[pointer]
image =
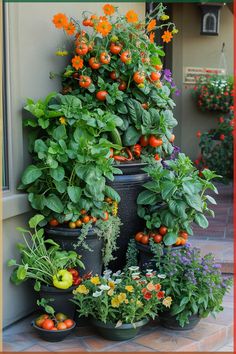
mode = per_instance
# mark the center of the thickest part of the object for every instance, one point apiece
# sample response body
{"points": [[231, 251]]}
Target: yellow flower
{"points": [[115, 302], [150, 286], [61, 53], [62, 120], [82, 290], [111, 284], [110, 292], [114, 208], [175, 31], [167, 301], [95, 280], [164, 17], [121, 297], [126, 301], [129, 288]]}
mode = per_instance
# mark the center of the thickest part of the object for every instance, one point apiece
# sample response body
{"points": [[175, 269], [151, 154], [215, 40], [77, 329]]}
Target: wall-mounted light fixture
{"points": [[210, 21]]}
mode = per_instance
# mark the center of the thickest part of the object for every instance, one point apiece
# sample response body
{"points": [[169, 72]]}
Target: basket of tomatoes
{"points": [[53, 328]]}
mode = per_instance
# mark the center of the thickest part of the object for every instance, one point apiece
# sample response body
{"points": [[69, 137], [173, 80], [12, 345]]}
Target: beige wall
{"points": [[192, 49], [32, 41]]}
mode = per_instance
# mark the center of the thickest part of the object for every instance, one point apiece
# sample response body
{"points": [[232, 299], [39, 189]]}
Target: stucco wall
{"points": [[192, 49], [32, 41]]}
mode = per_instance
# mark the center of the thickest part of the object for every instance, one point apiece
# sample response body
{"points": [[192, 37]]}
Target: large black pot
{"points": [[145, 256], [67, 238], [170, 322], [128, 185], [61, 298]]}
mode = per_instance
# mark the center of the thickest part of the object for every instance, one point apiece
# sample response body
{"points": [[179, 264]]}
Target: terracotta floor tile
{"points": [[98, 343], [36, 348], [130, 347], [214, 341], [66, 345], [202, 330]]}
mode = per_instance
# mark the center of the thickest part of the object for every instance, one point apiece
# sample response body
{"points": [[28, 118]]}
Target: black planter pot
{"points": [[67, 238], [145, 257], [170, 322], [128, 185], [53, 336], [61, 298], [123, 332]]}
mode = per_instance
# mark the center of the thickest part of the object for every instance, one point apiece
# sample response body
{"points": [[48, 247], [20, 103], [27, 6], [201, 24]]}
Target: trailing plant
{"points": [[131, 255], [217, 149], [42, 260], [195, 283], [214, 93], [121, 297], [116, 66], [174, 198]]}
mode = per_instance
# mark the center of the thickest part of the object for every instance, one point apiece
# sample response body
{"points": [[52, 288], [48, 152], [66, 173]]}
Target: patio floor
{"points": [[209, 335]]}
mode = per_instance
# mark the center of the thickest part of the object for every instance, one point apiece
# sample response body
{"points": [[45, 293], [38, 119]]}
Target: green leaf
{"points": [[201, 220], [184, 301], [175, 309], [211, 199], [194, 201], [31, 174], [170, 238], [57, 173], [74, 193], [54, 203], [35, 220], [131, 136], [167, 189], [59, 133], [11, 263], [21, 272], [146, 197], [37, 285], [111, 193]]}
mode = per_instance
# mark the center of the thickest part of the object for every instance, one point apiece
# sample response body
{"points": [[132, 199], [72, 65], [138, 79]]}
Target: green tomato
{"points": [[63, 279]]}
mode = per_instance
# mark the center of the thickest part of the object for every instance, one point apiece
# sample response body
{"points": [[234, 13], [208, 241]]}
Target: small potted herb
{"points": [[196, 285], [121, 303], [174, 198]]}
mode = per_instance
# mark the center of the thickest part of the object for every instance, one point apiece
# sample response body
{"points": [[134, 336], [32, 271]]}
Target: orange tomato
{"points": [[86, 219], [138, 236], [48, 324], [61, 326], [145, 239], [78, 223], [106, 216], [69, 323]]}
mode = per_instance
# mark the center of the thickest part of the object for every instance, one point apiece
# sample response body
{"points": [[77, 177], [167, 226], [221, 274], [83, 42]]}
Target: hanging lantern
{"points": [[210, 21]]}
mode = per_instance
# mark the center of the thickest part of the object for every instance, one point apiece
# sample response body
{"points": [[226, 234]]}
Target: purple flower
{"points": [[167, 75], [216, 266], [177, 92]]}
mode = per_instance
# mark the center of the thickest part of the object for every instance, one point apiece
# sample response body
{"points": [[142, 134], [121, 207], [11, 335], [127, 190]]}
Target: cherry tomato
{"points": [[158, 67], [157, 238], [61, 326], [178, 241], [105, 58], [144, 105], [93, 219], [138, 236], [73, 271], [69, 323], [155, 76], [86, 219], [106, 216], [39, 321], [76, 75], [81, 49], [86, 22], [172, 138], [101, 95], [94, 63], [138, 77], [122, 86], [72, 225], [83, 212], [48, 324], [113, 75], [183, 234], [84, 81], [126, 57], [53, 222], [115, 48], [163, 230], [145, 239], [157, 157], [152, 234], [54, 329], [183, 241], [154, 142], [144, 140], [79, 223], [77, 281]]}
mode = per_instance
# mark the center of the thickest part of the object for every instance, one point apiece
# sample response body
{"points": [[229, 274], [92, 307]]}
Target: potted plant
{"points": [[217, 149], [66, 181], [174, 198], [196, 285], [52, 269], [114, 65], [214, 93], [121, 303]]}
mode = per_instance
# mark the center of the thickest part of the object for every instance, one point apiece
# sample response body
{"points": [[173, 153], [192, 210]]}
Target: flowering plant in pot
{"points": [[196, 286], [115, 65], [217, 148], [66, 181], [120, 303], [214, 93]]}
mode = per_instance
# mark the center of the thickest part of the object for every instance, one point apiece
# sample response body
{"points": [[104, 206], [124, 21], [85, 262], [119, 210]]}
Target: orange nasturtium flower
{"points": [[151, 25], [104, 27], [152, 37], [167, 36], [70, 28], [60, 20], [77, 62], [108, 9], [131, 16]]}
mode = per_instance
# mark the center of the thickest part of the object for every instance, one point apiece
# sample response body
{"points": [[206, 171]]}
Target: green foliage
{"points": [[131, 255], [175, 197]]}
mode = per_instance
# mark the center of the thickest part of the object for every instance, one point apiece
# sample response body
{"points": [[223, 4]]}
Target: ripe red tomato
{"points": [[122, 86], [183, 241], [39, 321], [144, 105], [81, 49], [115, 48], [138, 77], [158, 67], [155, 76], [113, 75], [69, 323], [54, 329], [156, 157], [138, 236], [105, 58], [183, 234], [163, 230], [84, 81], [145, 239], [86, 219], [48, 324], [126, 57], [53, 222], [86, 22], [101, 95], [155, 142], [172, 138], [144, 140], [106, 217], [94, 63], [157, 238], [83, 212], [73, 271], [61, 326]]}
